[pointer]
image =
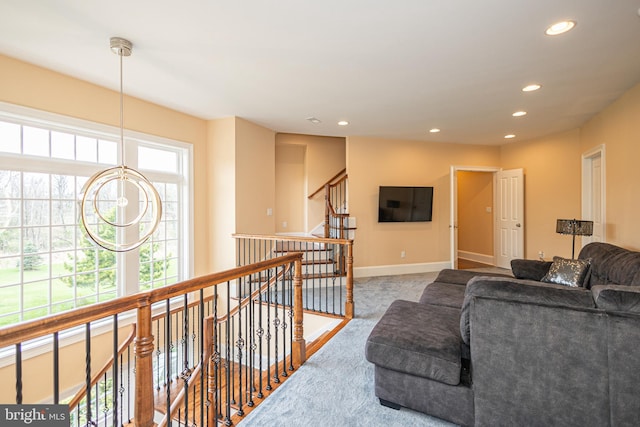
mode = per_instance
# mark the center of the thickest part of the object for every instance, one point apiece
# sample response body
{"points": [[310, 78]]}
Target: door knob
{"points": [[518, 225]]}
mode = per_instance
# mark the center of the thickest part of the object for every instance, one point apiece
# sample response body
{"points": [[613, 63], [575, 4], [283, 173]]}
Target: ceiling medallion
{"points": [[107, 217]]}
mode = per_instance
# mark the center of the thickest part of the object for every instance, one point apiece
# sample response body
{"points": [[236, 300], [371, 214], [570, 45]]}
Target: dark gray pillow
{"points": [[569, 272], [530, 269]]}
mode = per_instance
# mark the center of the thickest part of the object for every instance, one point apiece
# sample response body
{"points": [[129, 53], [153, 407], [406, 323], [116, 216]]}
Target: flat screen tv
{"points": [[405, 204]]}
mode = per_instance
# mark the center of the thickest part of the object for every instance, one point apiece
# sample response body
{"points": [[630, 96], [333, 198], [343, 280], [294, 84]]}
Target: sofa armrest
{"points": [[530, 269], [617, 298]]}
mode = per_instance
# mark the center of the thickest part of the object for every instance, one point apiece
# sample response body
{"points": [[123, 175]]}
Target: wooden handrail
{"points": [[343, 171], [48, 325], [292, 238]]}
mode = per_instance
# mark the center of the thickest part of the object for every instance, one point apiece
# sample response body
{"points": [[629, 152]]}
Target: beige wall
{"points": [[255, 178], [290, 188], [552, 189], [618, 128], [475, 224], [324, 158], [373, 162], [31, 86], [221, 194]]}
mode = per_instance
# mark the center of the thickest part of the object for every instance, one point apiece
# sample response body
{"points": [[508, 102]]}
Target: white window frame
{"points": [[52, 121]]}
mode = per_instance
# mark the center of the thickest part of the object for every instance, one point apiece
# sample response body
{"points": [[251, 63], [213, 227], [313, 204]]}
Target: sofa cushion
{"points": [[418, 339], [523, 291], [570, 272], [529, 269], [439, 293], [617, 298]]}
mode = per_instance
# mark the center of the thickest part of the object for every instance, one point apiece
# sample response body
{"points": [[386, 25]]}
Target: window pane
{"points": [[9, 304], [36, 294], [62, 187], [10, 212], [35, 141], [9, 270], [86, 149], [158, 160], [107, 152], [62, 145], [36, 212], [62, 238], [9, 184], [9, 137], [35, 185], [9, 241]]}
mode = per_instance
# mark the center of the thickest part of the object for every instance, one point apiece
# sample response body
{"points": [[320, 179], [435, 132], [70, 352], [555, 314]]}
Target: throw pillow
{"points": [[529, 269], [569, 272]]}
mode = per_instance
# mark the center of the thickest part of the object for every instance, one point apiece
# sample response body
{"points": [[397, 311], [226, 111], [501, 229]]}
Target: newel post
{"points": [[349, 301], [143, 350], [298, 346]]}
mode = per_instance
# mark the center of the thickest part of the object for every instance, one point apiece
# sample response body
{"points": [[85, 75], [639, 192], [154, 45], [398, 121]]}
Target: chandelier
{"points": [[107, 217]]}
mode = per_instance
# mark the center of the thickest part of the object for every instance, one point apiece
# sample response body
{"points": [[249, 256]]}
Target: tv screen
{"points": [[405, 204]]}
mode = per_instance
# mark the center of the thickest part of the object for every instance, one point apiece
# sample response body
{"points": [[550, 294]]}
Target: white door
{"points": [[510, 217]]}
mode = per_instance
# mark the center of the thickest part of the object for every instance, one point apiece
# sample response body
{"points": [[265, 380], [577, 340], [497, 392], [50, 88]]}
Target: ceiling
{"points": [[392, 69]]}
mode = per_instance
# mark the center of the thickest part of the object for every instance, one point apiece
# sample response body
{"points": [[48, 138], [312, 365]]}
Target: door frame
{"points": [[453, 210], [587, 189]]}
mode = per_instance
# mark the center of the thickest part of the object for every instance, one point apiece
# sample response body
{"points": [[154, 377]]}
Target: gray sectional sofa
{"points": [[498, 350]]}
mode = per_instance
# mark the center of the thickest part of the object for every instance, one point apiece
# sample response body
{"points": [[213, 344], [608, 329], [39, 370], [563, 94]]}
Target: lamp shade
{"points": [[574, 227]]}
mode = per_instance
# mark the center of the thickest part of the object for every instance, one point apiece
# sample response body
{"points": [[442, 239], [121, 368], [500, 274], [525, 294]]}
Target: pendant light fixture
{"points": [[109, 218]]}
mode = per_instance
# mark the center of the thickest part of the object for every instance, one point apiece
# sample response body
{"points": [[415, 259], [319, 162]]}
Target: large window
{"points": [[47, 265]]}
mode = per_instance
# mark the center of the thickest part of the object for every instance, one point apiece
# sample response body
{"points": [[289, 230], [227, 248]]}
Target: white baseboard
{"points": [[472, 256], [393, 270]]}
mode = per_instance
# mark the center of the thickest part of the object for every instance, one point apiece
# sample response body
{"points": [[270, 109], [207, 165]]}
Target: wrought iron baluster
{"points": [[201, 307], [276, 324], [168, 344], [56, 368], [240, 345], [19, 373], [114, 371], [291, 306], [186, 371], [87, 366], [259, 334], [228, 377], [121, 389], [284, 319]]}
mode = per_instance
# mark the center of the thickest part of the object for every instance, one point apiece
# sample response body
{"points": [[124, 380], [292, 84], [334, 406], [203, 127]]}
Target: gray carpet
{"points": [[335, 386]]}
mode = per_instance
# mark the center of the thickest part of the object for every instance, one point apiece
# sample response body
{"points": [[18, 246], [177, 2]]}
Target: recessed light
{"points": [[560, 28], [519, 114], [434, 130], [531, 87], [510, 136], [343, 123], [314, 120]]}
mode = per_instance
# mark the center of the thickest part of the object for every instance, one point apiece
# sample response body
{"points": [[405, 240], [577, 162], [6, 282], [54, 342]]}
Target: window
{"points": [[47, 265]]}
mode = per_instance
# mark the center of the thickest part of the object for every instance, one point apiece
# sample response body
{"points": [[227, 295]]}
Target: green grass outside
{"points": [[36, 295]]}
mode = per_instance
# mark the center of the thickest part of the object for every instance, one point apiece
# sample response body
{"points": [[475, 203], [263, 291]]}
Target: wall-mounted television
{"points": [[405, 204]]}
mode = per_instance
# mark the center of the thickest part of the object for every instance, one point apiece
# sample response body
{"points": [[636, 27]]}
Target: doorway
{"points": [[496, 215]]}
